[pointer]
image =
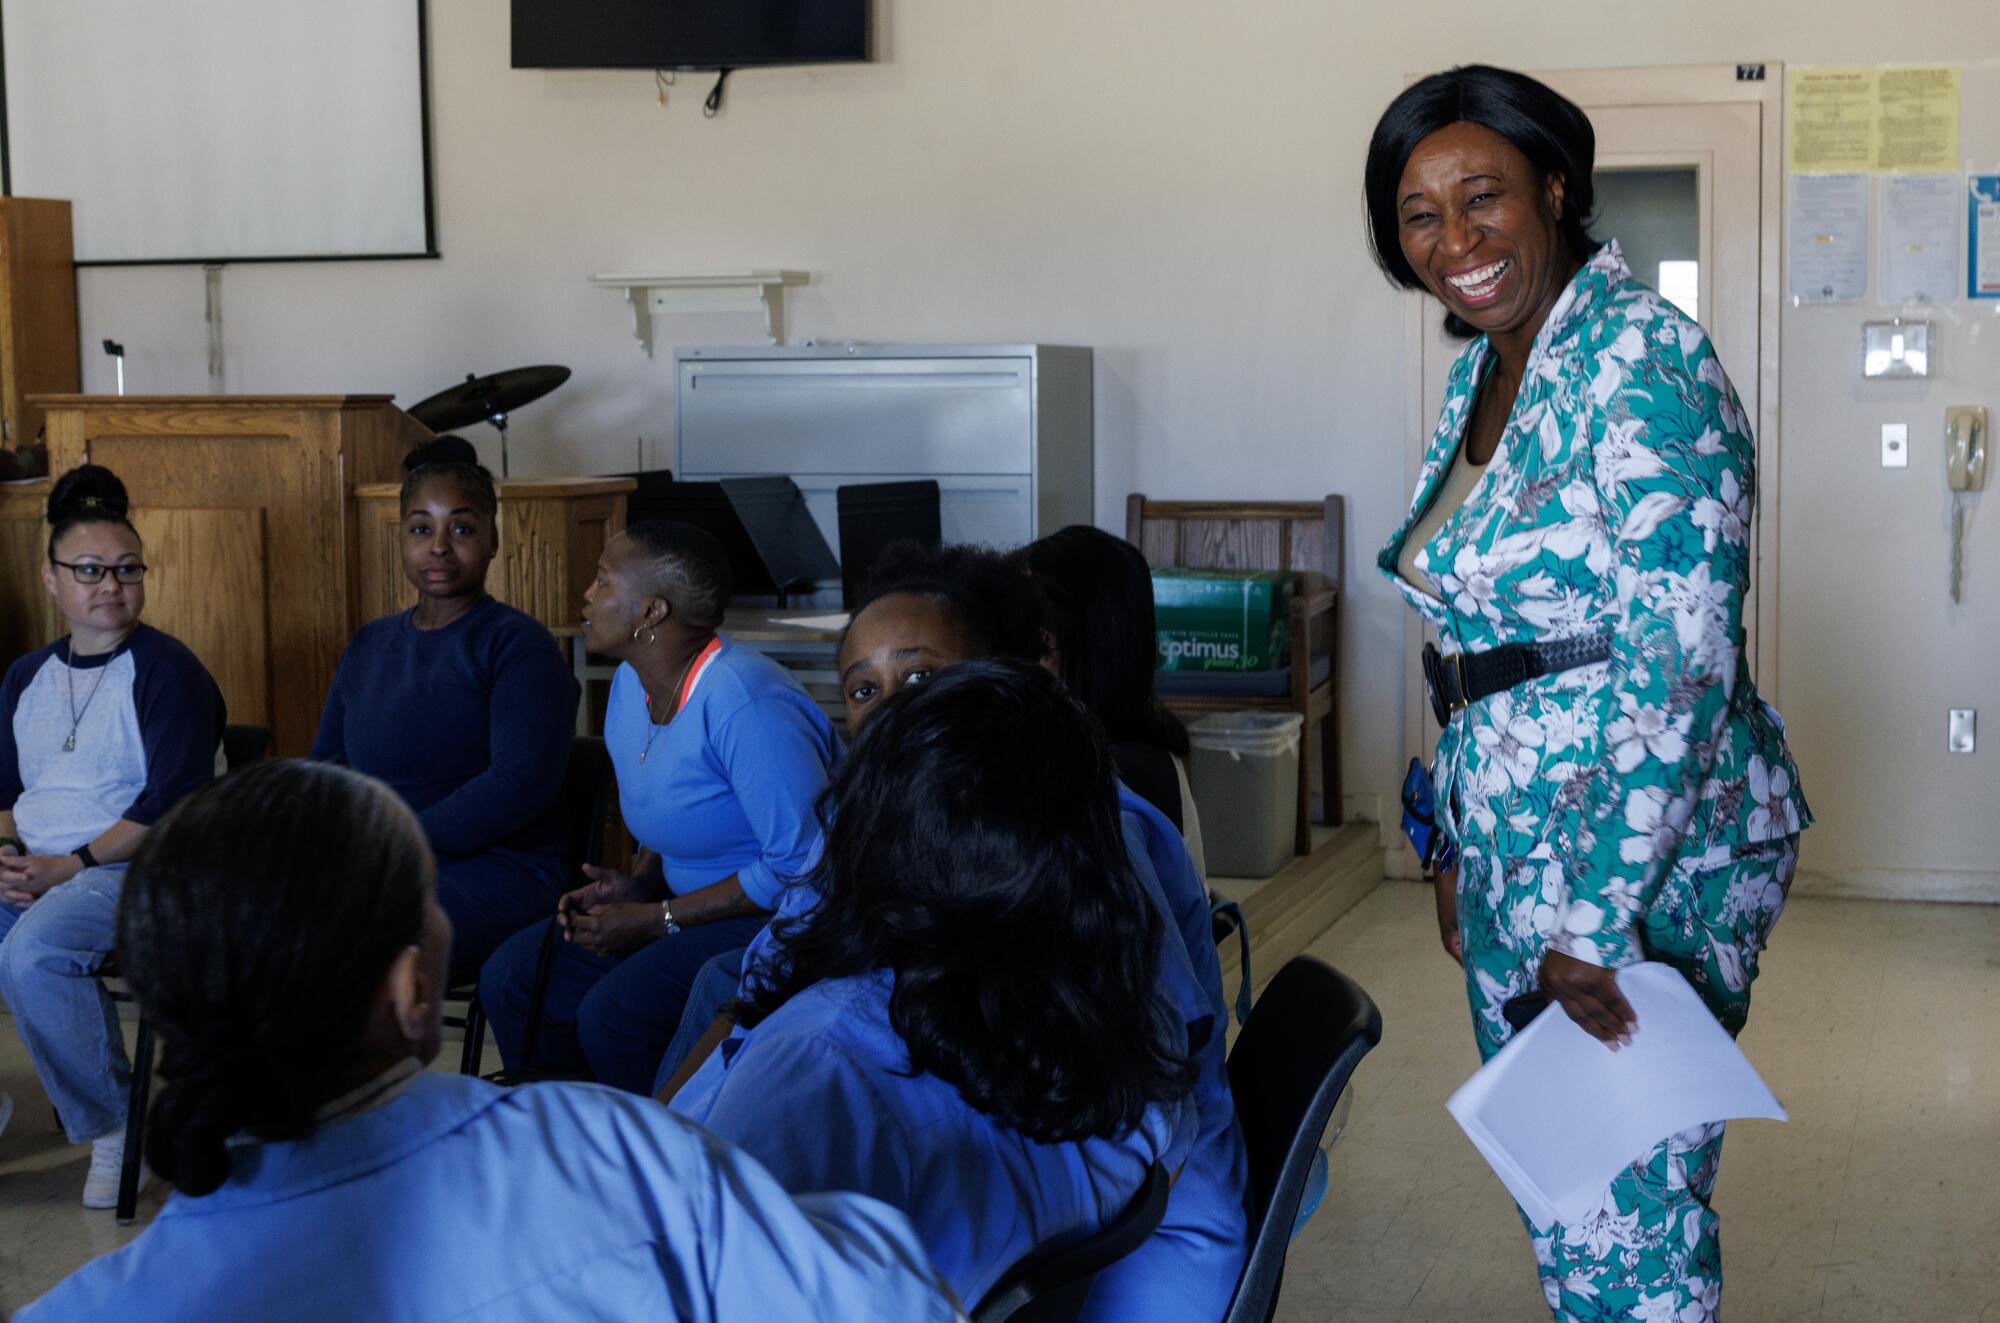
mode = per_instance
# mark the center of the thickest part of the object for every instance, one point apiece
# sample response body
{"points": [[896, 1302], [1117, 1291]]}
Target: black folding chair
{"points": [[1291, 1063], [1049, 1285], [240, 745], [585, 798]]}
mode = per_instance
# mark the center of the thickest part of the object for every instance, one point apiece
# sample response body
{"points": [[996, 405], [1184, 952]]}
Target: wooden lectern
{"points": [[246, 507]]}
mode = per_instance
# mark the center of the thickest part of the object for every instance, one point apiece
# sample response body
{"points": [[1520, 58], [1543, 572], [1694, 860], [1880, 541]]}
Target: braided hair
{"points": [[257, 921]]}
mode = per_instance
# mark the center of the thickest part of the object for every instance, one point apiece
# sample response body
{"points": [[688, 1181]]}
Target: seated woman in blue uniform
{"points": [[100, 733], [1099, 595], [719, 755], [322, 1173], [923, 609], [968, 1026], [465, 706]]}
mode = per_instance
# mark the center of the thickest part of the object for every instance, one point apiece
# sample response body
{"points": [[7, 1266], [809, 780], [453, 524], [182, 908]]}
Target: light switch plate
{"points": [[1895, 445], [1895, 349], [1961, 735]]}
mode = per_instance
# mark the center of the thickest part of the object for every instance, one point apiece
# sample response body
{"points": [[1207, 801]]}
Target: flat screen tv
{"points": [[687, 34]]}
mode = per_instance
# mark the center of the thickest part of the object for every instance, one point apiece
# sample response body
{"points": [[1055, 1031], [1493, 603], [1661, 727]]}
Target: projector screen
{"points": [[222, 130]]}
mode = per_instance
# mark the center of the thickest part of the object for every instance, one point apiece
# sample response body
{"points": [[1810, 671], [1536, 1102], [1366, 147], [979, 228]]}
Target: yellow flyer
{"points": [[1916, 122], [1832, 120]]}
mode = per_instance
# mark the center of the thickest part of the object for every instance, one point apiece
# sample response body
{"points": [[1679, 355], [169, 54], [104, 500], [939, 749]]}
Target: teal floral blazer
{"points": [[1618, 502]]}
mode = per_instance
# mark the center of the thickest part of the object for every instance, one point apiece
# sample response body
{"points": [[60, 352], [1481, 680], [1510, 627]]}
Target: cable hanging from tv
{"points": [[712, 107]]}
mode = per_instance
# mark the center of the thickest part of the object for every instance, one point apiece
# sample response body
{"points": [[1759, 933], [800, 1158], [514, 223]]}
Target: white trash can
{"points": [[1244, 770]]}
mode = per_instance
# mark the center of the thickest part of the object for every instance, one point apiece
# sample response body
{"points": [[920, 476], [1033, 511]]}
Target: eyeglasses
{"points": [[88, 573]]}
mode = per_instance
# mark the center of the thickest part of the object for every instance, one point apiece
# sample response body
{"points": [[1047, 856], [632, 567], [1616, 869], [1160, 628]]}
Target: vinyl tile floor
{"points": [[1877, 1024]]}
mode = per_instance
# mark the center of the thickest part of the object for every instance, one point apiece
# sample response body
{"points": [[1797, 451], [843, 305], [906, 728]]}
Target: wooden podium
{"points": [[246, 506]]}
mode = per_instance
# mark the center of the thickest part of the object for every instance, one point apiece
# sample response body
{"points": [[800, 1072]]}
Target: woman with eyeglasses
{"points": [[101, 732]]}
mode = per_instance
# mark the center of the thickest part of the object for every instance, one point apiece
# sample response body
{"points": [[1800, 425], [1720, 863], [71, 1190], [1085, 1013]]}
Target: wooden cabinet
{"points": [[552, 531], [38, 327], [28, 616], [246, 507]]}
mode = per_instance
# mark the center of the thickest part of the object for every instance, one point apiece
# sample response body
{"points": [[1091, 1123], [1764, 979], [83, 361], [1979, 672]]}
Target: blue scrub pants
{"points": [[50, 953], [613, 1017], [489, 897]]}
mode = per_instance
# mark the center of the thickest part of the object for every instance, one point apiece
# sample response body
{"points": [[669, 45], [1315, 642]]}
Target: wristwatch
{"points": [[667, 913], [82, 852]]}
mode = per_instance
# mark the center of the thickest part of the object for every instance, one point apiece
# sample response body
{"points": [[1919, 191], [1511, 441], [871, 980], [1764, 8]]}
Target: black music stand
{"points": [[875, 515]]}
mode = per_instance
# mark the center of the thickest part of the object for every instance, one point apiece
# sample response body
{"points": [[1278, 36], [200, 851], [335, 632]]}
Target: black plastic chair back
{"points": [[1297, 1051], [242, 745], [584, 799], [1049, 1285]]}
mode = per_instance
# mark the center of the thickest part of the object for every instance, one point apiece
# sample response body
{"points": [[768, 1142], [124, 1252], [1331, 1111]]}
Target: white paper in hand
{"points": [[1558, 1115]]}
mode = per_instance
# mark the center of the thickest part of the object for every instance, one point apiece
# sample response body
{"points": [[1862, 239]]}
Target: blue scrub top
{"points": [[729, 785], [821, 1092], [458, 1199]]}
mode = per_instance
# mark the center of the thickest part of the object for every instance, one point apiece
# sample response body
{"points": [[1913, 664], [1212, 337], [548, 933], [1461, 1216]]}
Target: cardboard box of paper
{"points": [[1222, 620]]}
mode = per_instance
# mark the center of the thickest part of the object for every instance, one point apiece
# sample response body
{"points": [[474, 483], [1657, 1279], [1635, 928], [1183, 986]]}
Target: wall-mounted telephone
{"points": [[1964, 471], [1965, 441]]}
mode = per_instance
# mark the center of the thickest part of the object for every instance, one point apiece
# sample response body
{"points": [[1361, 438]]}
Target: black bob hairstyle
{"points": [[1097, 591], [989, 600], [256, 924], [452, 458], [973, 849], [87, 494], [1540, 122]]}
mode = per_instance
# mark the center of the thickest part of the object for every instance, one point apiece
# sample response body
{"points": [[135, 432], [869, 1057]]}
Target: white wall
{"points": [[1174, 183]]}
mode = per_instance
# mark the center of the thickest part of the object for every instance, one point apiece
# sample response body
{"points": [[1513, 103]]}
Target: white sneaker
{"points": [[107, 1164]]}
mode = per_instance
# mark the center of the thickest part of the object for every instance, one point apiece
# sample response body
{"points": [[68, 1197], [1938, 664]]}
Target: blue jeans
{"points": [[714, 988], [613, 1017], [50, 953]]}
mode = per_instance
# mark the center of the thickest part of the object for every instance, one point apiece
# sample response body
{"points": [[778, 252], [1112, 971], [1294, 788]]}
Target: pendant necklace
{"points": [[75, 713], [655, 727]]}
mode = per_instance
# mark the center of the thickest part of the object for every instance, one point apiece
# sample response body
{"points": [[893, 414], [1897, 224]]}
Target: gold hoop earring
{"points": [[651, 638]]}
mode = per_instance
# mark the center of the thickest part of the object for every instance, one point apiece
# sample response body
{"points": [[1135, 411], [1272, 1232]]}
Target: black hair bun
{"points": [[446, 449], [88, 489]]}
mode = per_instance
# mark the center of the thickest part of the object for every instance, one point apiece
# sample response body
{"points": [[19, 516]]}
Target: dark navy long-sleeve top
{"points": [[470, 724]]}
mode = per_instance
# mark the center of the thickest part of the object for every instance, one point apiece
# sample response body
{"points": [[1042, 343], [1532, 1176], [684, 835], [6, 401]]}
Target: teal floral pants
{"points": [[1652, 1250]]}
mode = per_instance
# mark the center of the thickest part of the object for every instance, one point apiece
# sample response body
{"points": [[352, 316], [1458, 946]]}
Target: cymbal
{"points": [[482, 399]]}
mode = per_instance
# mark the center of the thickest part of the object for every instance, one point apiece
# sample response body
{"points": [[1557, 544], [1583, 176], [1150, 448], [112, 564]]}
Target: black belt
{"points": [[1464, 678]]}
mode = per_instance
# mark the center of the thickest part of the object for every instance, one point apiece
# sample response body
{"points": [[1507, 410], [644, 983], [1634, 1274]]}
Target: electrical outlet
{"points": [[1895, 445], [1960, 734]]}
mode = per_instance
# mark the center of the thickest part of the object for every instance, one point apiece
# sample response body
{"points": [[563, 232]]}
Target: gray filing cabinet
{"points": [[1005, 430]]}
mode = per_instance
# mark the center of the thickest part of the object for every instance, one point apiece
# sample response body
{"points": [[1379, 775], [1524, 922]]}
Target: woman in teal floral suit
{"points": [[1584, 507]]}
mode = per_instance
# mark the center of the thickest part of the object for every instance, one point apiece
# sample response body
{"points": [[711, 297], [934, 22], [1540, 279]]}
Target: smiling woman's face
{"points": [[1479, 227]]}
